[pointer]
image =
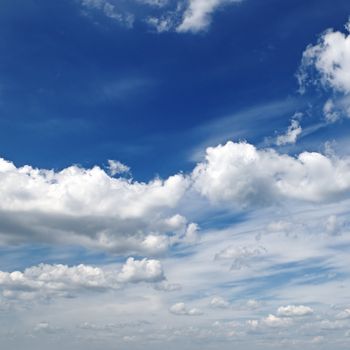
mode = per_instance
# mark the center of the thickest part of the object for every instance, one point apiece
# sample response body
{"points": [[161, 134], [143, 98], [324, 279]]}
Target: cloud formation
{"points": [[242, 175], [293, 310], [189, 16], [90, 208], [327, 64], [44, 281], [330, 59], [182, 309], [198, 14], [290, 137], [134, 271]]}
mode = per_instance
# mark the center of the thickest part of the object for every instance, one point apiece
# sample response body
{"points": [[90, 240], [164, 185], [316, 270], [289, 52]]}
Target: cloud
{"points": [[242, 257], [219, 302], [276, 322], [168, 287], [157, 3], [343, 315], [88, 207], [197, 16], [293, 310], [242, 175], [110, 11], [115, 167], [55, 280], [293, 132], [327, 64], [134, 271], [45, 281], [181, 309], [330, 59], [180, 16], [45, 327]]}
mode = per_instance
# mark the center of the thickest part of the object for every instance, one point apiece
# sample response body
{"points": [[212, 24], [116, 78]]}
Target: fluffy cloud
{"points": [[241, 174], [219, 302], [62, 280], [197, 16], [328, 63], [181, 309], [115, 167], [89, 208], [276, 322], [134, 271], [293, 132], [292, 310], [343, 315], [330, 57]]}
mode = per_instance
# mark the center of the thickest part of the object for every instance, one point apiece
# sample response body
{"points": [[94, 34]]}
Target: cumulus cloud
{"points": [[219, 302], [197, 16], [44, 281], [182, 309], [330, 58], [242, 175], [276, 322], [90, 208], [134, 271], [293, 132], [115, 167], [343, 315], [327, 64], [293, 310]]}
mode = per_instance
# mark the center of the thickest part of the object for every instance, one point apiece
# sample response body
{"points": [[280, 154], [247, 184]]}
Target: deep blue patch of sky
{"points": [[76, 89]]}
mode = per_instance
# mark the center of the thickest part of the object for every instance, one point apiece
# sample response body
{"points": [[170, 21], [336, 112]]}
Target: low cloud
{"points": [[293, 310], [46, 281], [182, 309]]}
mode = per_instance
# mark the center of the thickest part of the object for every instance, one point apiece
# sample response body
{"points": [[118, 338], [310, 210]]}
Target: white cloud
{"points": [[89, 208], [115, 167], [275, 322], [327, 64], [219, 302], [59, 280], [330, 57], [163, 24], [242, 175], [168, 287], [293, 310], [330, 112], [293, 132], [197, 16], [45, 280], [109, 10], [134, 271], [343, 315], [242, 257], [253, 304], [45, 327], [158, 3], [181, 15], [181, 309]]}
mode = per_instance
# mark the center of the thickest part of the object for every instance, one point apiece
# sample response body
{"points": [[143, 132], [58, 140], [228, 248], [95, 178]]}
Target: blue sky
{"points": [[70, 81], [174, 173]]}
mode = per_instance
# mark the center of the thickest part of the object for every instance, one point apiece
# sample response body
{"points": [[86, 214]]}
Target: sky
{"points": [[174, 173]]}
